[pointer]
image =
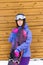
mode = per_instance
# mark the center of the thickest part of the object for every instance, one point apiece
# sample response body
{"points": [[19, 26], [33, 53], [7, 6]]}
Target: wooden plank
{"points": [[14, 12], [35, 23], [37, 31], [9, 19], [30, 23], [32, 44], [3, 39], [4, 52], [4, 29], [37, 56], [39, 48], [19, 1], [4, 56], [3, 49], [6, 19], [7, 47], [33, 48], [32, 51], [19, 5], [31, 28], [36, 50], [39, 41], [37, 44], [7, 25], [34, 31], [10, 29], [7, 33], [36, 27], [4, 42], [35, 39]]}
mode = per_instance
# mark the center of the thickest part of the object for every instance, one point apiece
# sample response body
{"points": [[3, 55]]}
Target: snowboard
{"points": [[21, 37], [14, 60]]}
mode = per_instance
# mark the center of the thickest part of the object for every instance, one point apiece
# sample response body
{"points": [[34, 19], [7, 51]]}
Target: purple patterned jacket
{"points": [[24, 40]]}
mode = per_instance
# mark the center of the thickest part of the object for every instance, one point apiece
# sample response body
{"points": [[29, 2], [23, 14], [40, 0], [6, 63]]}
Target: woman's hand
{"points": [[16, 53]]}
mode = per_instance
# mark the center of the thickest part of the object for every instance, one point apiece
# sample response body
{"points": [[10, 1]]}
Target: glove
{"points": [[16, 53]]}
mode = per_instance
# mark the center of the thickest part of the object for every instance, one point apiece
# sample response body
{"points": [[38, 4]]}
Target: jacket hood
{"points": [[26, 26]]}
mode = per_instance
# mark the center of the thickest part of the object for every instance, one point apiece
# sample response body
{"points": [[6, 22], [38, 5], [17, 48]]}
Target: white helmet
{"points": [[20, 16]]}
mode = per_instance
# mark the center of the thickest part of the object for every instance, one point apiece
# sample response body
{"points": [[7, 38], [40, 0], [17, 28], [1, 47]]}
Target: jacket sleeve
{"points": [[12, 37], [27, 43]]}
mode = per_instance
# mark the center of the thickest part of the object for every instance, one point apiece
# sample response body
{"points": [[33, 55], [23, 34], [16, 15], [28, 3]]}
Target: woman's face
{"points": [[20, 22]]}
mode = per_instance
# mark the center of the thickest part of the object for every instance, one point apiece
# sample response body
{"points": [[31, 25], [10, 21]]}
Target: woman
{"points": [[25, 46]]}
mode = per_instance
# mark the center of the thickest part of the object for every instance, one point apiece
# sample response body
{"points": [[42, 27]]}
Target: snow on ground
{"points": [[32, 62]]}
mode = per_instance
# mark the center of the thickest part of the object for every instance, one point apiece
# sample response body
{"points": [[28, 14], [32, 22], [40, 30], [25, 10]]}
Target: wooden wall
{"points": [[33, 9]]}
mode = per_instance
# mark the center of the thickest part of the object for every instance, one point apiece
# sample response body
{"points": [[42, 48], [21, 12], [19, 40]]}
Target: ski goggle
{"points": [[18, 17]]}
